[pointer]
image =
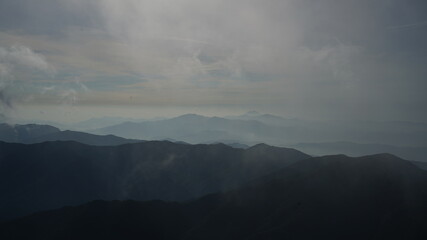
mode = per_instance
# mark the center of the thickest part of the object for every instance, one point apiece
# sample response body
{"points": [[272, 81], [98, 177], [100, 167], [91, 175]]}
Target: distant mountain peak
{"points": [[260, 145], [252, 113], [190, 115]]}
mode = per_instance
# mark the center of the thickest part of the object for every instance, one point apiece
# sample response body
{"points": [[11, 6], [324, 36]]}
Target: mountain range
{"points": [[357, 149], [193, 128], [22, 133], [34, 133], [331, 197], [404, 139], [49, 175], [212, 130], [104, 186]]}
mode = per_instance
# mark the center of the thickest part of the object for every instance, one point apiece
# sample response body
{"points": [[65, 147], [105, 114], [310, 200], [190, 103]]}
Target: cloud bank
{"points": [[305, 58]]}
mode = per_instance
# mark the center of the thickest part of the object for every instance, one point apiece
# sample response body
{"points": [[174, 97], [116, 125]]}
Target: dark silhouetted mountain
{"points": [[21, 133], [53, 174], [357, 149], [331, 197], [237, 145], [105, 220], [422, 165], [230, 143]]}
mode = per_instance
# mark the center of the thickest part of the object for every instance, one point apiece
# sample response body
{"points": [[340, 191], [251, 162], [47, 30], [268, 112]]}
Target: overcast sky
{"points": [[315, 59]]}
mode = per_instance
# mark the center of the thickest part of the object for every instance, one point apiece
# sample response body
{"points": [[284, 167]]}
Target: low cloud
{"points": [[15, 62]]}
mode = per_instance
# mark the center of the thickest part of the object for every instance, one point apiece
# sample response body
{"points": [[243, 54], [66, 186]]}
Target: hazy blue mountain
{"points": [[268, 119], [254, 128], [21, 133], [34, 133], [41, 122], [95, 123], [81, 137], [53, 174], [194, 129], [332, 197], [357, 149]]}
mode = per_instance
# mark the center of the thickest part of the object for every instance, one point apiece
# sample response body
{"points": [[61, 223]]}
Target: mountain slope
{"points": [[332, 197], [255, 128], [53, 174], [194, 129], [422, 165], [357, 149], [34, 133], [81, 137], [20, 133]]}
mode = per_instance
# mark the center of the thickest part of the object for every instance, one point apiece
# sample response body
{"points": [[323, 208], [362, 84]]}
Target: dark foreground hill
{"points": [[54, 174], [333, 197]]}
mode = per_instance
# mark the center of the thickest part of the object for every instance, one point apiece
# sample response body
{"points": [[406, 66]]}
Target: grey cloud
{"points": [[46, 17], [14, 61], [306, 55], [22, 57]]}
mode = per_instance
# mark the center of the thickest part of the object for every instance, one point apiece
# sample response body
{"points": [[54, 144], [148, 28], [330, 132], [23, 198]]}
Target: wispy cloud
{"points": [[13, 62], [410, 25]]}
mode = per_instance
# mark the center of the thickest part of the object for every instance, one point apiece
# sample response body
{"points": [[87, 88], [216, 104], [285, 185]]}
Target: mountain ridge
{"points": [[332, 197], [72, 173], [35, 133]]}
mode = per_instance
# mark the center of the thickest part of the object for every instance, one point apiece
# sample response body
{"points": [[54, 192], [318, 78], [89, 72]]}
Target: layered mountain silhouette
{"points": [[34, 133], [21, 133], [53, 174], [404, 139], [82, 137], [331, 197], [357, 149], [194, 128]]}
